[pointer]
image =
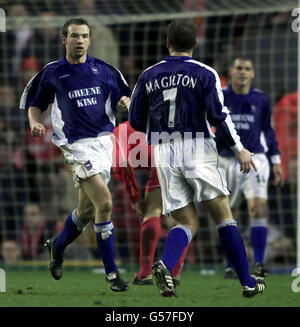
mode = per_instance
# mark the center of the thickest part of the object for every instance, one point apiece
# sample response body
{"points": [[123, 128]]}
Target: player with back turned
{"points": [[83, 93], [251, 114], [175, 102]]}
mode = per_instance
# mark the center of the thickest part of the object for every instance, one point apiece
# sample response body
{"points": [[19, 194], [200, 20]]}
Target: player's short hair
{"points": [[241, 58], [182, 34], [75, 21]]}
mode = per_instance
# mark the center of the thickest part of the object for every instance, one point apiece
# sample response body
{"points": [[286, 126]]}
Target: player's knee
{"points": [[86, 214], [235, 212], [152, 212], [105, 207], [193, 226], [257, 211]]}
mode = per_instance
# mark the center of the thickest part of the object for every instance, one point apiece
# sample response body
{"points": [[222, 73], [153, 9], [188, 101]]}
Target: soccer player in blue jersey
{"points": [[175, 102], [83, 93], [251, 114]]}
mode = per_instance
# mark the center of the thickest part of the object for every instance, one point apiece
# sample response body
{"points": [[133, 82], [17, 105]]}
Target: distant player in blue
{"points": [[175, 102], [83, 93], [251, 114]]}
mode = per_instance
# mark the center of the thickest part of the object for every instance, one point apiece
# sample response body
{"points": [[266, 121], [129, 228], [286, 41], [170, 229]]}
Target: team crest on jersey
{"points": [[88, 165], [95, 69], [64, 76]]}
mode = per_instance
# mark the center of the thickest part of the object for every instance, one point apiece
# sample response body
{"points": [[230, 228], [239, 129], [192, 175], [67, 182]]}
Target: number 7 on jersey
{"points": [[171, 96]]}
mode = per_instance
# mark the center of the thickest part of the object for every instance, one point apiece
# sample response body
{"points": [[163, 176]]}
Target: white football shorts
{"points": [[87, 157], [189, 171], [252, 185]]}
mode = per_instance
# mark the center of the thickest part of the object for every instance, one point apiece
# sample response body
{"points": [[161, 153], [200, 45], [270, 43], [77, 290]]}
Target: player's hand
{"points": [[245, 161], [37, 129], [123, 104], [278, 175]]}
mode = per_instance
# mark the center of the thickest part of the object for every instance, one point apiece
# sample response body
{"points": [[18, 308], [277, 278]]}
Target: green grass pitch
{"points": [[83, 288]]}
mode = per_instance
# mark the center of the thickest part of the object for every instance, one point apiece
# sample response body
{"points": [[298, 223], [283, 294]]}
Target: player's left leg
{"points": [[233, 244], [176, 242], [99, 194], [257, 209], [149, 236]]}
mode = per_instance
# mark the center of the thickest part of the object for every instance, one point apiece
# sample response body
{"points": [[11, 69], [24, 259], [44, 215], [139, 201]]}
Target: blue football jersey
{"points": [[83, 97], [180, 94], [251, 115]]}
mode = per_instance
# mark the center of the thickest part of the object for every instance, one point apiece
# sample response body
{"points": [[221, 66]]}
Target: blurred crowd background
{"points": [[37, 192]]}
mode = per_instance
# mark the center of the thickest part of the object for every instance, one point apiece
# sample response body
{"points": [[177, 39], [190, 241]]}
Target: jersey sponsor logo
{"points": [[242, 121], [171, 81], [85, 92]]}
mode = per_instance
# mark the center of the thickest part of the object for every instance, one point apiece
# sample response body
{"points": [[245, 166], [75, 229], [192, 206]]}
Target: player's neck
{"points": [[72, 60], [183, 54], [241, 89]]}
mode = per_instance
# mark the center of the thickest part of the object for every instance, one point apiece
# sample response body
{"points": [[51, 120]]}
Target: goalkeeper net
{"points": [[37, 192]]}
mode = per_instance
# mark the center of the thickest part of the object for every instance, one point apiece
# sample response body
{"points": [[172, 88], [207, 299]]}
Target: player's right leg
{"points": [[234, 179], [74, 224], [233, 244], [257, 208], [99, 194]]}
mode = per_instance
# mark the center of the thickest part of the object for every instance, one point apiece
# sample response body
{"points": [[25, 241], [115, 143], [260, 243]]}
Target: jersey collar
{"points": [[88, 59], [231, 90], [177, 58]]}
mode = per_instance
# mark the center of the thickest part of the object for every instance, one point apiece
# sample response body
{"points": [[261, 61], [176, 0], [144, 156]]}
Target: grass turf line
{"points": [[86, 289]]}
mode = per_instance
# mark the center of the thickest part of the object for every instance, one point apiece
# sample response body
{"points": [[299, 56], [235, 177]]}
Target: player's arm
{"points": [[138, 111], [272, 144], [36, 97], [123, 91], [36, 127], [218, 116]]}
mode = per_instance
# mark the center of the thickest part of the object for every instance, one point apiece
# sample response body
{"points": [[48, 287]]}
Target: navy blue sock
{"points": [[176, 241], [69, 233], [258, 237], [228, 262], [105, 241], [234, 248]]}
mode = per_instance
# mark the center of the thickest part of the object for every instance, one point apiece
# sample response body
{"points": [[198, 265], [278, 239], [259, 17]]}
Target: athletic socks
{"points": [[177, 240], [234, 248], [149, 236], [72, 229], [228, 262], [105, 240], [258, 237], [177, 269]]}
